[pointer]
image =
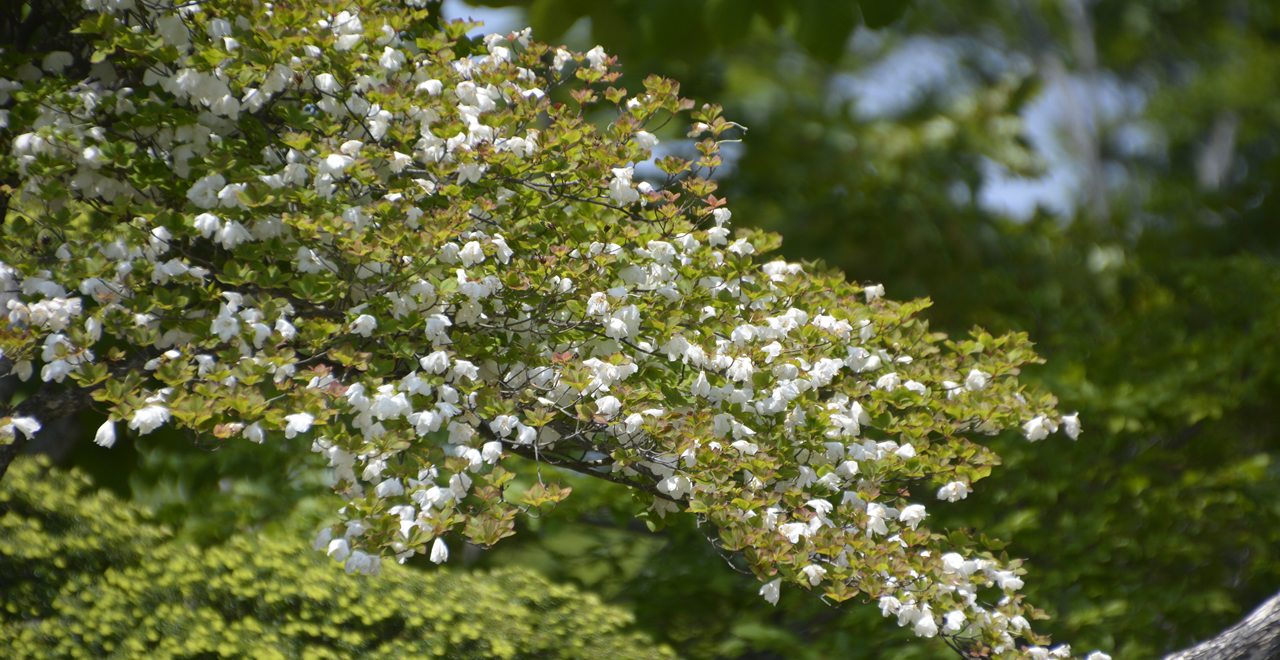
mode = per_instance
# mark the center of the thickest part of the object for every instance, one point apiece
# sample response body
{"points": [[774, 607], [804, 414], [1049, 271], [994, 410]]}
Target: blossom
{"points": [[645, 140], [793, 531], [436, 363], [148, 419], [815, 573], [106, 435], [439, 551], [620, 190], [255, 433], [1039, 428], [912, 515], [925, 625], [339, 549], [204, 192], [364, 325], [701, 387], [956, 490], [471, 254], [298, 423], [206, 224], [232, 234], [391, 59], [977, 380], [771, 591], [470, 172], [874, 292], [1071, 425], [29, 426], [335, 165], [608, 406]]}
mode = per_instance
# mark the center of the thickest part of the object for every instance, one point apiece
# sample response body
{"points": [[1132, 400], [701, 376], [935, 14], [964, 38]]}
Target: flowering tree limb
{"points": [[430, 253]]}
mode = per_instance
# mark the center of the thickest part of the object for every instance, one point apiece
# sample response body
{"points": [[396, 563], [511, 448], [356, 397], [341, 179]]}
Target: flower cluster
{"points": [[418, 252]]}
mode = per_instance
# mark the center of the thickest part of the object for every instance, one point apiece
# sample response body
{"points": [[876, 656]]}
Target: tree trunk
{"points": [[1257, 637], [51, 402]]}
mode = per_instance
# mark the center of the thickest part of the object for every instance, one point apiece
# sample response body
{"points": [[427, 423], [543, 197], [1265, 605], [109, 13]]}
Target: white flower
{"points": [[956, 490], [912, 515], [346, 42], [741, 370], [298, 423], [874, 292], [339, 549], [771, 591], [286, 329], [1071, 425], [889, 382], [954, 622], [701, 387], [597, 57], [598, 304], [232, 234], [620, 190], [391, 59], [106, 435], [400, 161], [645, 140], [439, 551], [815, 573], [977, 380], [470, 172], [793, 531], [436, 363], [471, 254], [389, 488], [27, 425], [925, 625], [204, 192], [1097, 655], [334, 165], [255, 433], [207, 224], [323, 537], [364, 325], [608, 406], [148, 419], [1039, 428]]}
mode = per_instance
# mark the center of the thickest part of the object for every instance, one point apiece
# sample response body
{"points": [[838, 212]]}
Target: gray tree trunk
{"points": [[1257, 637]]}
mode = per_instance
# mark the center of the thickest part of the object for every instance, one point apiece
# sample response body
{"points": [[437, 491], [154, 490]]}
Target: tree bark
{"points": [[51, 402], [1257, 637]]}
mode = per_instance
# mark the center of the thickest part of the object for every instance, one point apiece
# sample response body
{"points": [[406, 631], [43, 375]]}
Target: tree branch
{"points": [[50, 403], [1257, 637]]}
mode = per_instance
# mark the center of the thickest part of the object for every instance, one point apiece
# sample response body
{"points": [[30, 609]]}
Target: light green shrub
{"points": [[260, 598]]}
